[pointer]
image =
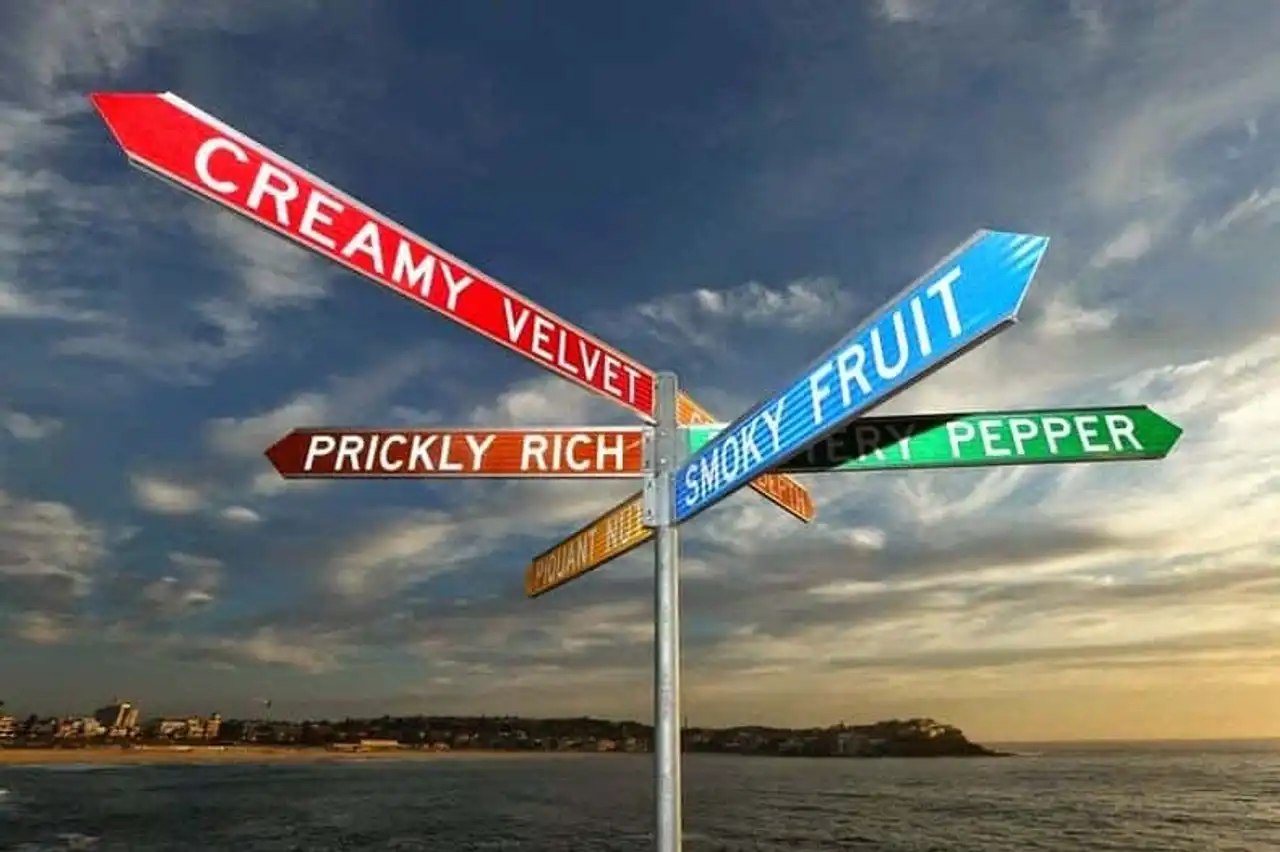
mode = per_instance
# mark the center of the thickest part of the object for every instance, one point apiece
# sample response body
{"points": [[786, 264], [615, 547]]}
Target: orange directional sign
{"points": [[460, 453], [618, 531]]}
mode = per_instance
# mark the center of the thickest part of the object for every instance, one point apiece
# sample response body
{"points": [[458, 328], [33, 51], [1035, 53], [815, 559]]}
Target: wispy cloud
{"points": [[27, 427], [165, 496], [49, 554]]}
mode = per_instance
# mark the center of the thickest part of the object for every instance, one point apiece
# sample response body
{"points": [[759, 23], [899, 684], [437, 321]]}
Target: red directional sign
{"points": [[612, 453], [166, 135], [173, 139]]}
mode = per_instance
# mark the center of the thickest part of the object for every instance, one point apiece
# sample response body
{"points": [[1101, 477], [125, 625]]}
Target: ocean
{"points": [[1206, 798]]}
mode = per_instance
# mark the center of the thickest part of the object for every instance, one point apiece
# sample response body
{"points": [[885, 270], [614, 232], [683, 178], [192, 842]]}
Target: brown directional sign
{"points": [[569, 453]]}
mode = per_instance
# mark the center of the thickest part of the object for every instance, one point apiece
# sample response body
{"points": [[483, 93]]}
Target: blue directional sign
{"points": [[972, 294]]}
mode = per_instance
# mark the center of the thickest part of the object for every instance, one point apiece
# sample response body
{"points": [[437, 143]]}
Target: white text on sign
{"points": [[1018, 436]]}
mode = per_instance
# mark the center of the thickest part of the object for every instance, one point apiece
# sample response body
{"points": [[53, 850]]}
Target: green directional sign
{"points": [[982, 439]]}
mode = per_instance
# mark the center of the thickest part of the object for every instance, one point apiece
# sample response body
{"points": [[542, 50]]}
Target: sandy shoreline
{"points": [[110, 755]]}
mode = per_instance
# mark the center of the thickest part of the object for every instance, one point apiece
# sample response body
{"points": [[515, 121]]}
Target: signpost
{"points": [[968, 297], [170, 138], [814, 424], [451, 453], [980, 439]]}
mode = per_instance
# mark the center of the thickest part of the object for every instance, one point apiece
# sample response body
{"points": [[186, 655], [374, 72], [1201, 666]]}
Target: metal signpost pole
{"points": [[666, 617]]}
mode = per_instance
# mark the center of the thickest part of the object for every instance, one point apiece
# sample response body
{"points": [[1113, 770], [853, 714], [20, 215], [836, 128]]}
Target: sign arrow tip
{"points": [[132, 117], [280, 453], [110, 105]]}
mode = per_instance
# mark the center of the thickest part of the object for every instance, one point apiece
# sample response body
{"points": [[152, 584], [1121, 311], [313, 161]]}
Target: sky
{"points": [[724, 190]]}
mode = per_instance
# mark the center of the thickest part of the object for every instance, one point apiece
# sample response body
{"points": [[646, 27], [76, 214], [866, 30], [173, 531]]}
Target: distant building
{"points": [[8, 728], [189, 728], [78, 728], [168, 728], [118, 720], [343, 746], [851, 743], [186, 728], [380, 745]]}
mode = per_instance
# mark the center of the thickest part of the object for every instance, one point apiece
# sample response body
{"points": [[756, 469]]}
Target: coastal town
{"points": [[121, 724]]}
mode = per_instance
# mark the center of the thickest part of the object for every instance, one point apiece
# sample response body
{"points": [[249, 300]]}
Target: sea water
{"points": [[1201, 798]]}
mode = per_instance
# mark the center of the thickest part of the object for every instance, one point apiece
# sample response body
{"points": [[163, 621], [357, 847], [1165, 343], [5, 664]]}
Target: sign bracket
{"points": [[647, 462]]}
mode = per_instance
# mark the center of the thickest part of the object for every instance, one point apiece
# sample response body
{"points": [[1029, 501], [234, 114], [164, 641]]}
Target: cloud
{"points": [[700, 319], [31, 193], [173, 595], [63, 234], [166, 496], [1129, 245], [911, 11], [185, 585], [240, 515], [1257, 207], [545, 401], [26, 427], [381, 561], [249, 436], [264, 647], [1137, 158], [48, 540], [347, 398], [49, 554], [42, 628]]}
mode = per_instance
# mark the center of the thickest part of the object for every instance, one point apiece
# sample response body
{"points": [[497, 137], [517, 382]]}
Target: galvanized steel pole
{"points": [[666, 617]]}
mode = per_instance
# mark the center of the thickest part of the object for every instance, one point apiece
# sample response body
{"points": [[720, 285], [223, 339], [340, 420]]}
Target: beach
{"points": [[114, 755]]}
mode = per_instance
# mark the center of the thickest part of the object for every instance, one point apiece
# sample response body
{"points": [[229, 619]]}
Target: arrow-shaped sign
{"points": [[968, 297], [981, 439], [175, 140], [615, 533], [560, 453]]}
